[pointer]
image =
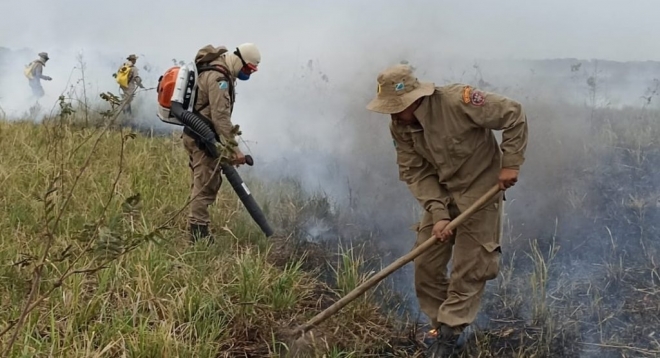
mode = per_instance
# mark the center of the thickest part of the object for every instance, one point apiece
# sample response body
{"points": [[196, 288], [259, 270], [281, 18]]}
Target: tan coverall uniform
{"points": [[215, 103], [37, 76], [448, 161], [134, 81]]}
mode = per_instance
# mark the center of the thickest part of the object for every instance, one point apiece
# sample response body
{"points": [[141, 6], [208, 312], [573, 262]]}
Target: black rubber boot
{"points": [[462, 344], [200, 232], [445, 345]]}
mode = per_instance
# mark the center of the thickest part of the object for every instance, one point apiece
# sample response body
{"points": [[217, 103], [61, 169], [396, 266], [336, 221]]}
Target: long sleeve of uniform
{"points": [[135, 77], [493, 111], [220, 105], [421, 178], [38, 71]]}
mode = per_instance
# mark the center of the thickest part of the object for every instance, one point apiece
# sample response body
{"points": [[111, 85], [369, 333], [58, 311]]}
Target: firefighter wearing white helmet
{"points": [[244, 61], [218, 71]]}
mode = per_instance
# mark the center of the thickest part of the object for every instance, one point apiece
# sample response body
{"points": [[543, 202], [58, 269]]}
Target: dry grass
{"points": [[157, 297], [92, 230]]}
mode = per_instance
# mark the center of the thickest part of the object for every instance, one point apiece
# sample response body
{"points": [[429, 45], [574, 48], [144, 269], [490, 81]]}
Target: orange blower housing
{"points": [[166, 85], [177, 84]]}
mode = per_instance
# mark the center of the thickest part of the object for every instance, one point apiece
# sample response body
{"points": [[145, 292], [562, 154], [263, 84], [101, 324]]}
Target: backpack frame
{"points": [[185, 89]]}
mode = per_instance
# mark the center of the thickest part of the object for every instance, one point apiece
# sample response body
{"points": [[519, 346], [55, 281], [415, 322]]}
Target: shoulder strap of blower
{"points": [[203, 68], [225, 72]]}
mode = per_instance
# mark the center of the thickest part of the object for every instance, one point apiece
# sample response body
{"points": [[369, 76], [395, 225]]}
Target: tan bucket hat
{"points": [[398, 88], [132, 57]]}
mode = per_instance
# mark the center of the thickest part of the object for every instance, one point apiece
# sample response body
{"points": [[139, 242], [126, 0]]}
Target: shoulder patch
{"points": [[223, 85], [478, 98], [473, 96]]}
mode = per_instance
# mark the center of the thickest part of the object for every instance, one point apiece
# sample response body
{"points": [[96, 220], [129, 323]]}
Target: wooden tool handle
{"points": [[358, 291]]}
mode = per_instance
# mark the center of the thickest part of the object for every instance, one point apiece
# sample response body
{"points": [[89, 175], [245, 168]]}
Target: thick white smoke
{"points": [[303, 113]]}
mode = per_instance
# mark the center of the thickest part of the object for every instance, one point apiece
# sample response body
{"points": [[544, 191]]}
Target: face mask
{"points": [[242, 76]]}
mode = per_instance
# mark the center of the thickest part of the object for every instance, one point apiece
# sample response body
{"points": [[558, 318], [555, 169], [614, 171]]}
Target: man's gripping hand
{"points": [[508, 178], [239, 157], [439, 231]]}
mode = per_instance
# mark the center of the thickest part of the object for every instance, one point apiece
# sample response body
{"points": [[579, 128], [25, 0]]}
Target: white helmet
{"points": [[249, 53]]}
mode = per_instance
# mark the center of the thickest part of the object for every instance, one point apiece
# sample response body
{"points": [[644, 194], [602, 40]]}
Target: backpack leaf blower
{"points": [[176, 96]]}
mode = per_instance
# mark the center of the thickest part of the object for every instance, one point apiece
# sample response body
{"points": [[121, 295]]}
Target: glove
{"points": [[48, 78]]}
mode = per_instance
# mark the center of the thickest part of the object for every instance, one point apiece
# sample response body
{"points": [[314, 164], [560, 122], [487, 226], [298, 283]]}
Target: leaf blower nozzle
{"points": [[202, 130]]}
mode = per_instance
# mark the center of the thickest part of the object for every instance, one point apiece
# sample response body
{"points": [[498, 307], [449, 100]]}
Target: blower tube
{"points": [[200, 127]]}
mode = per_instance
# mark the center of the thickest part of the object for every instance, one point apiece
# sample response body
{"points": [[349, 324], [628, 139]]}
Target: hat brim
{"points": [[399, 103]]}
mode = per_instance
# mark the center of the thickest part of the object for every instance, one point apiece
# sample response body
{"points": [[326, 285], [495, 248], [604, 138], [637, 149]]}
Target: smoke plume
{"points": [[582, 72]]}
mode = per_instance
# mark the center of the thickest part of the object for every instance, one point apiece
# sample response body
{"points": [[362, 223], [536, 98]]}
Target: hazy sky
{"points": [[617, 30]]}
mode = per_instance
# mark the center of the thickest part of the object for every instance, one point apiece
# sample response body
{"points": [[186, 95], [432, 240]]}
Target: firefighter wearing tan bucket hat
{"points": [[34, 73], [398, 89], [129, 80], [449, 157]]}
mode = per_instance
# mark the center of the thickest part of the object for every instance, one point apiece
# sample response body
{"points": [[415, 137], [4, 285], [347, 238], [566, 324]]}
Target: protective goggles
{"points": [[247, 68]]}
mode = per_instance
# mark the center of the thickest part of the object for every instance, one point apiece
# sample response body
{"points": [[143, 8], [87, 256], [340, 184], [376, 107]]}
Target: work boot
{"points": [[200, 232], [464, 338], [445, 345]]}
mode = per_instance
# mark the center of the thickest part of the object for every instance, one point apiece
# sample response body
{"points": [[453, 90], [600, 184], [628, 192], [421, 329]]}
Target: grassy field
{"points": [[93, 236], [94, 259]]}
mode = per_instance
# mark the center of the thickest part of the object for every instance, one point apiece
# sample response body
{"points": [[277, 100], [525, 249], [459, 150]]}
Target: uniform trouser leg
{"points": [[206, 181], [476, 260], [128, 97], [37, 90], [431, 282]]}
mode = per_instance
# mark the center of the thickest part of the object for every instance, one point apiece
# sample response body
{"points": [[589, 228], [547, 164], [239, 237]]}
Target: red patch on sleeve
{"points": [[478, 98]]}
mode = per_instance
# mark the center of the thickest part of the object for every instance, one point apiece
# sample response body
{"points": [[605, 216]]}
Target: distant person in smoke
{"points": [[34, 74], [128, 78], [449, 157], [218, 71]]}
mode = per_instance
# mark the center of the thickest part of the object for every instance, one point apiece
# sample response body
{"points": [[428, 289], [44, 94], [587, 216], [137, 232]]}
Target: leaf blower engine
{"points": [[176, 90]]}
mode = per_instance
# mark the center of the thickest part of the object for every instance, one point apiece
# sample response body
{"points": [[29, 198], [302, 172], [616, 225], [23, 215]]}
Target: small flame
{"points": [[432, 333]]}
